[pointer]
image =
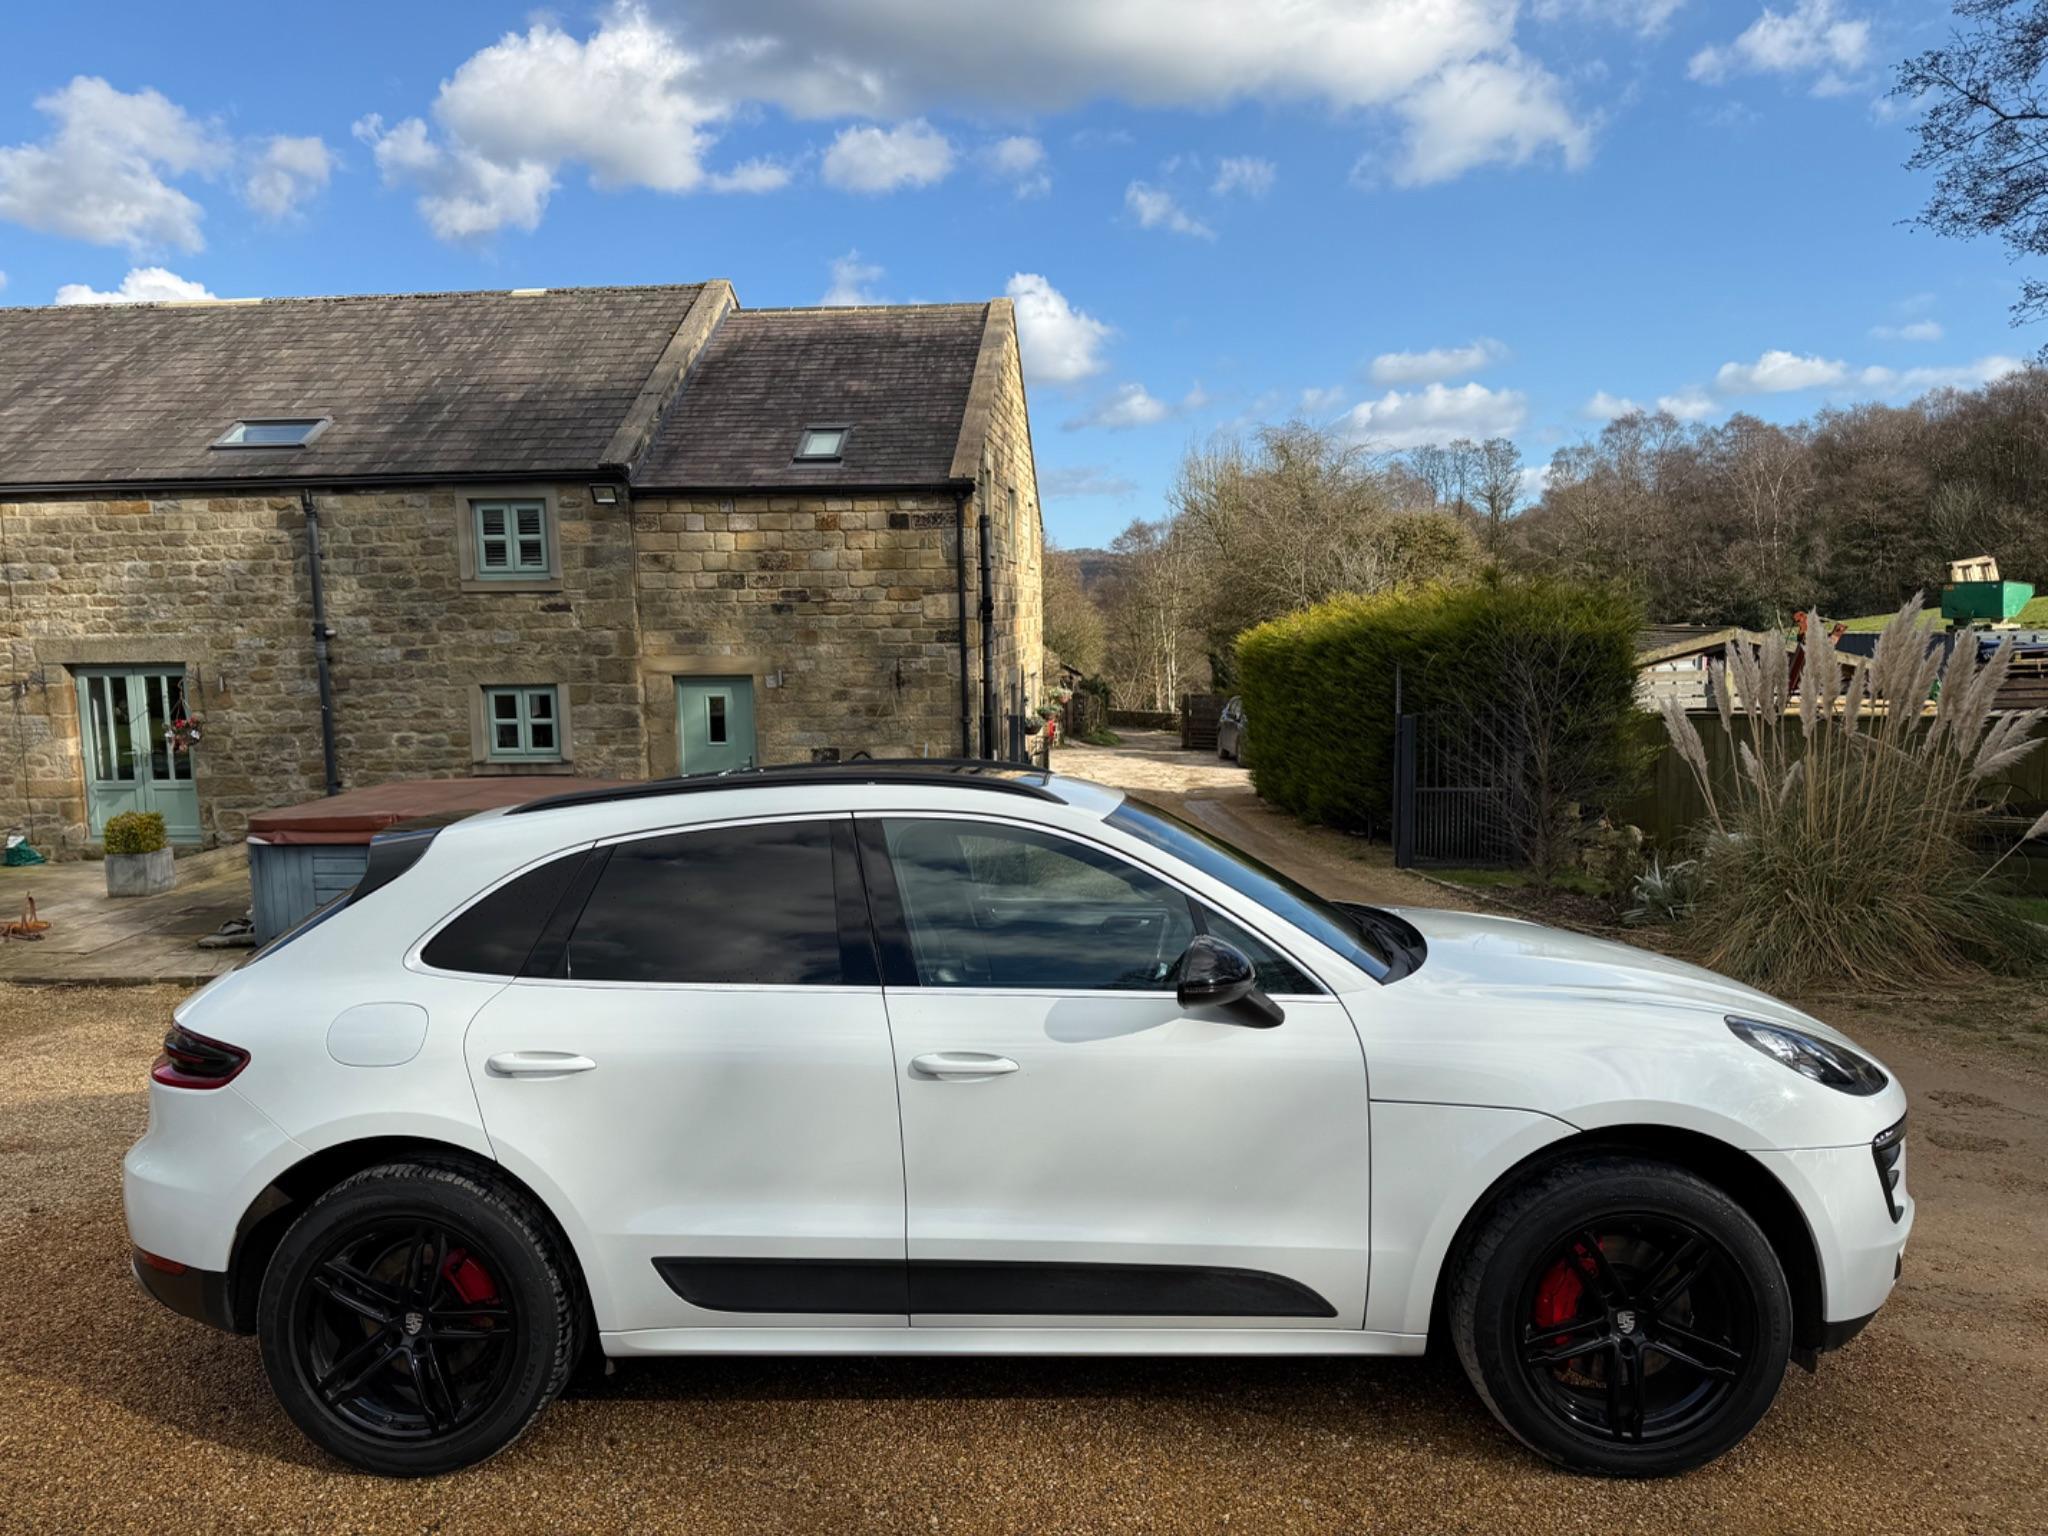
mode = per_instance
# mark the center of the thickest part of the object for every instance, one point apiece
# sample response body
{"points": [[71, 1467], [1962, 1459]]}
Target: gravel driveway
{"points": [[116, 1415]]}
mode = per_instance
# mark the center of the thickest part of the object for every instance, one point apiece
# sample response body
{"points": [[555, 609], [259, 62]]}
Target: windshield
{"points": [[1361, 935]]}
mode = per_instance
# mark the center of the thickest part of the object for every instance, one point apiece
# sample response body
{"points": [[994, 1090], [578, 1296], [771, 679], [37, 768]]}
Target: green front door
{"points": [[134, 759], [715, 723]]}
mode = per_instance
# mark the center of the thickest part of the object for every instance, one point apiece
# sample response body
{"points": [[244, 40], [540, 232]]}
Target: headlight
{"points": [[1836, 1066]]}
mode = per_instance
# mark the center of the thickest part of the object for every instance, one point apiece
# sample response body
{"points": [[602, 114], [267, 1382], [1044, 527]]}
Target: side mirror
{"points": [[1214, 974]]}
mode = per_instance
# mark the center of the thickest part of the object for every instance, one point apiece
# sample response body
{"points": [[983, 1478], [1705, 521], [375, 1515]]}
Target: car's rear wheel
{"points": [[415, 1319], [1623, 1316]]}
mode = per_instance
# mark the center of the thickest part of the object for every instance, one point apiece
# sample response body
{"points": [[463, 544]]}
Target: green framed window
{"points": [[511, 540], [523, 725]]}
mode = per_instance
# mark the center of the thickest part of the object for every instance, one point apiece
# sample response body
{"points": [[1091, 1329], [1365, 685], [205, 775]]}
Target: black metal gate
{"points": [[1449, 804]]}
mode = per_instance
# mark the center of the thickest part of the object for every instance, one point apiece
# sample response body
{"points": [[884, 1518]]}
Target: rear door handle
{"points": [[962, 1064], [537, 1064]]}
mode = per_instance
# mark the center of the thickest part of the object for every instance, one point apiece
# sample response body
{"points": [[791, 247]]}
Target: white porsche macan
{"points": [[923, 1058]]}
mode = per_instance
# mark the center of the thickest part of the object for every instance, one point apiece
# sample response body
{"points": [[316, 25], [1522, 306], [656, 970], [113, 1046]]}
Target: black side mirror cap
{"points": [[1214, 974]]}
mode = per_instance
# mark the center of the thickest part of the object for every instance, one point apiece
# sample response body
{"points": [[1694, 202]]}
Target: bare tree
{"points": [[1983, 131], [1498, 487]]}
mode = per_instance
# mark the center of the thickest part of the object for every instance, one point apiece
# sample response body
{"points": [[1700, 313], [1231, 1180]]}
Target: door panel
{"points": [[717, 1122], [133, 759], [1133, 1133], [1138, 1159], [714, 723], [700, 1069]]}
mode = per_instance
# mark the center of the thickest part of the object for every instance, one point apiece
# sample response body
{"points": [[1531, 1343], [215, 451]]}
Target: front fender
{"points": [[1431, 1165]]}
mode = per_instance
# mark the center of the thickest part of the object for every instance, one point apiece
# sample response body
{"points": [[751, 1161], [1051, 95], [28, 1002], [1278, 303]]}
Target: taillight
{"points": [[194, 1061]]}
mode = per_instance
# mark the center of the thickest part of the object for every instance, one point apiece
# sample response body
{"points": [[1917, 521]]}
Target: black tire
{"points": [[447, 1294], [1620, 1261]]}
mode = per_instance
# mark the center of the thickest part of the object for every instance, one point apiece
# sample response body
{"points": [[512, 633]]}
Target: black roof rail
{"points": [[959, 772]]}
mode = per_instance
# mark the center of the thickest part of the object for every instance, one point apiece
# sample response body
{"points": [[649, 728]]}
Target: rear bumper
{"points": [[200, 1294]]}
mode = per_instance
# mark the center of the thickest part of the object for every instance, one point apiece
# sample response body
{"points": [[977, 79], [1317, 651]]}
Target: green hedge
{"points": [[135, 832], [1319, 688]]}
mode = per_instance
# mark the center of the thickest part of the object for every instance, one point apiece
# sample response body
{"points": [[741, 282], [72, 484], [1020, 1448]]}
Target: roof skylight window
{"points": [[272, 432], [821, 444]]}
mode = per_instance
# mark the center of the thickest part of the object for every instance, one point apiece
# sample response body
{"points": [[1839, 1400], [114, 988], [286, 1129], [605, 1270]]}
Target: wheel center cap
{"points": [[414, 1322], [1625, 1321]]}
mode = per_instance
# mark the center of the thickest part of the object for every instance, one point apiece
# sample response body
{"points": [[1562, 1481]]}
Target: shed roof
{"points": [[897, 377], [417, 385]]}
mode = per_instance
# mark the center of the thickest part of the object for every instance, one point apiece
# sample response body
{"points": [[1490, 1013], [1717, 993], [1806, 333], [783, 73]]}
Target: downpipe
{"points": [[321, 635]]}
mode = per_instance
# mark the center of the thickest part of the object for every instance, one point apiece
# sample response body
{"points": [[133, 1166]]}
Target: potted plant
{"points": [[138, 855]]}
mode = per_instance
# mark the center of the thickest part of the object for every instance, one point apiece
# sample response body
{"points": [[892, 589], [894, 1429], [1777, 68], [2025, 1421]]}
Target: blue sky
{"points": [[1413, 219]]}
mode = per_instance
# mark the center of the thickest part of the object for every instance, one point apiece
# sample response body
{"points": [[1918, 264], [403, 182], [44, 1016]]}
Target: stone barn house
{"points": [[256, 550]]}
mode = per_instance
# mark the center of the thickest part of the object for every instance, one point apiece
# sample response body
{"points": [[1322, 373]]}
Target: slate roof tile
{"points": [[417, 384]]}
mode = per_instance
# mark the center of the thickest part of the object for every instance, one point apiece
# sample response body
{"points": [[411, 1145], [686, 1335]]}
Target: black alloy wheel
{"points": [[1622, 1316], [1637, 1328], [401, 1329], [417, 1319]]}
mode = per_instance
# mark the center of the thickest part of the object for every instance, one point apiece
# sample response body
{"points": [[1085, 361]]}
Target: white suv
{"points": [[918, 1058]]}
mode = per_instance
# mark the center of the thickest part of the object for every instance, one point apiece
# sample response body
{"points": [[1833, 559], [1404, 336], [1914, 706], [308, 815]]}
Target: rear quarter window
{"points": [[494, 936]]}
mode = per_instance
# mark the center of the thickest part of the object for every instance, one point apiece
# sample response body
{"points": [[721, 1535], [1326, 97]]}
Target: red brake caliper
{"points": [[469, 1279], [1558, 1295]]}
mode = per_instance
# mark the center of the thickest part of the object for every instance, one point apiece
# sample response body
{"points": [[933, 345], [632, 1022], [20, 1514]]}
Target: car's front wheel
{"points": [[415, 1319], [1622, 1316]]}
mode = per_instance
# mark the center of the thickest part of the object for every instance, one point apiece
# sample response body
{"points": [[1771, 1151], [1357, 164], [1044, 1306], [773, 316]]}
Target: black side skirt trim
{"points": [[789, 1285], [936, 1287]]}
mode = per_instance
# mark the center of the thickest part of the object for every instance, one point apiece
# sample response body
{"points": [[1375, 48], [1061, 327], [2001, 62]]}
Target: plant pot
{"points": [[141, 874]]}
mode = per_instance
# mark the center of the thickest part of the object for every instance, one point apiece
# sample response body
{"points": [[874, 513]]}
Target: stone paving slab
{"points": [[103, 940]]}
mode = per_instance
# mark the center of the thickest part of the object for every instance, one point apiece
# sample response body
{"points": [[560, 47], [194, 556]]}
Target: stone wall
{"points": [[841, 610], [1006, 495], [218, 585], [215, 585]]}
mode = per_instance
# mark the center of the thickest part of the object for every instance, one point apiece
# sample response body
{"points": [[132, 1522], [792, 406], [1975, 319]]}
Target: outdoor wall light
{"points": [[604, 495]]}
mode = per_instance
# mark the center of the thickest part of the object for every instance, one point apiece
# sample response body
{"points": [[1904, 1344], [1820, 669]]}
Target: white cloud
{"points": [[1648, 18], [1778, 371], [1504, 111], [1320, 400], [1436, 364], [1155, 208], [759, 174], [1815, 37], [851, 278], [286, 172], [101, 174], [1126, 406], [1688, 404], [629, 103], [1436, 414], [3, 282], [462, 194], [1244, 173], [869, 159], [142, 285], [824, 58], [1061, 344], [1912, 330], [1078, 480], [646, 96], [1913, 381], [1605, 407], [1020, 160]]}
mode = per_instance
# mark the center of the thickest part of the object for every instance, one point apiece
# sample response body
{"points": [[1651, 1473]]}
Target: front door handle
{"points": [[962, 1064], [537, 1064]]}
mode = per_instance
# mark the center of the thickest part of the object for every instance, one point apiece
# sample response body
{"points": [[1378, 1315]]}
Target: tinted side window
{"points": [[995, 906], [495, 936], [751, 905]]}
